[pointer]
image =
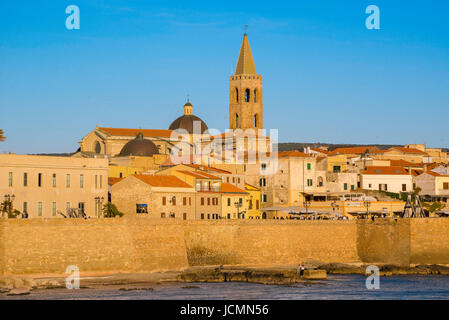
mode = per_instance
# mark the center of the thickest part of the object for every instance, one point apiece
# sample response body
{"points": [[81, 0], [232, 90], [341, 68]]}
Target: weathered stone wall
{"points": [[43, 246], [270, 242], [429, 241], [384, 241], [97, 245]]}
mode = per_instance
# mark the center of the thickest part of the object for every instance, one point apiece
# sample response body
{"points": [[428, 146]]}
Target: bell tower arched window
{"points": [[236, 95], [255, 95], [255, 121], [247, 95], [236, 120]]}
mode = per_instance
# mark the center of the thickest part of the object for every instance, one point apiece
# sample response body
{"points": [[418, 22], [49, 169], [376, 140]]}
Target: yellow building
{"points": [[254, 202], [43, 186], [123, 171], [234, 202]]}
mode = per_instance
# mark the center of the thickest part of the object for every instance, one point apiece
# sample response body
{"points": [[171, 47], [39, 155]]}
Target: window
{"points": [[345, 186], [238, 180], [25, 207], [255, 95], [81, 180], [255, 121], [445, 185], [184, 202], [162, 215], [247, 95], [352, 187], [39, 209], [53, 209], [369, 185], [67, 206], [237, 120], [208, 216], [337, 169], [320, 181], [263, 182], [208, 201], [39, 179], [236, 95], [97, 147], [309, 182], [121, 175], [202, 216], [184, 216], [67, 181], [250, 204], [309, 166], [263, 166], [229, 202], [54, 180], [202, 201], [257, 204], [173, 200], [141, 208], [190, 201], [404, 187], [10, 179], [25, 179], [265, 198], [164, 201], [101, 181], [229, 216]]}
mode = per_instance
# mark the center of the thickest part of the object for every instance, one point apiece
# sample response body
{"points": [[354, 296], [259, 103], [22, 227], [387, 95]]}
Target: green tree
{"points": [[111, 211], [2, 137], [433, 207]]}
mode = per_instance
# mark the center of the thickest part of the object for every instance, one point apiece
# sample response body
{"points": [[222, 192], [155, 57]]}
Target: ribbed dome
{"points": [[139, 147], [188, 120]]}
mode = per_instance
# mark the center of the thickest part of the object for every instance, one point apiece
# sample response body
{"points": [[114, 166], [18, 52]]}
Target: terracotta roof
{"points": [[163, 181], [200, 175], [251, 186], [230, 188], [432, 173], [409, 150], [385, 170], [320, 150], [207, 168], [416, 172], [352, 150], [134, 132], [112, 180], [404, 163], [286, 154]]}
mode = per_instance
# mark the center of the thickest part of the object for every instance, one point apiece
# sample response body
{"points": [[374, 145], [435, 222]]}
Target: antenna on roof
{"points": [[188, 97], [245, 28]]}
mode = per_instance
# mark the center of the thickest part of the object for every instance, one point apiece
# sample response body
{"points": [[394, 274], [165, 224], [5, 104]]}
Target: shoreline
{"points": [[13, 285]]}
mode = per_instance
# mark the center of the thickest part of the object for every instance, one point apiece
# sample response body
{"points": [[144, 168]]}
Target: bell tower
{"points": [[245, 92]]}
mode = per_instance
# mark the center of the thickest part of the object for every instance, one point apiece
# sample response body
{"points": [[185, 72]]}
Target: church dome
{"points": [[139, 146], [187, 121]]}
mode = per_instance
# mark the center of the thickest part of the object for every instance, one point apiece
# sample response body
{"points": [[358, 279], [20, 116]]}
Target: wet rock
{"points": [[341, 268], [315, 274], [19, 291]]}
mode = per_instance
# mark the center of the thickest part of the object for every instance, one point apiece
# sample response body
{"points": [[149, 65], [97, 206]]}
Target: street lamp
{"points": [[367, 204], [306, 204], [238, 205]]}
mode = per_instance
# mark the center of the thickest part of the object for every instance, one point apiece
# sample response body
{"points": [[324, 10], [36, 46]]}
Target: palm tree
{"points": [[2, 137]]}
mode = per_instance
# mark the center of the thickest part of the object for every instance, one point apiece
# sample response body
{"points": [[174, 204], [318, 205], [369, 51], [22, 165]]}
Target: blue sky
{"points": [[326, 77]]}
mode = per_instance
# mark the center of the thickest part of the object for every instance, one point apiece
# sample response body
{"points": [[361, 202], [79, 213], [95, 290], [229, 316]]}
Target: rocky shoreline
{"points": [[279, 275]]}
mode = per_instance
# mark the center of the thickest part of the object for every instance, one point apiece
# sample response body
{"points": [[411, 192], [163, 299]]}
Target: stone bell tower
{"points": [[245, 92]]}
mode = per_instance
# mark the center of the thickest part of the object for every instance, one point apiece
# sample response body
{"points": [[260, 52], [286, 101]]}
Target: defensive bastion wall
{"points": [[48, 246]]}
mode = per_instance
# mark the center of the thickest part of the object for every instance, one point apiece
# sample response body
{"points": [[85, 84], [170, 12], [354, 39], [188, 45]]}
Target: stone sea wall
{"points": [[142, 245]]}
